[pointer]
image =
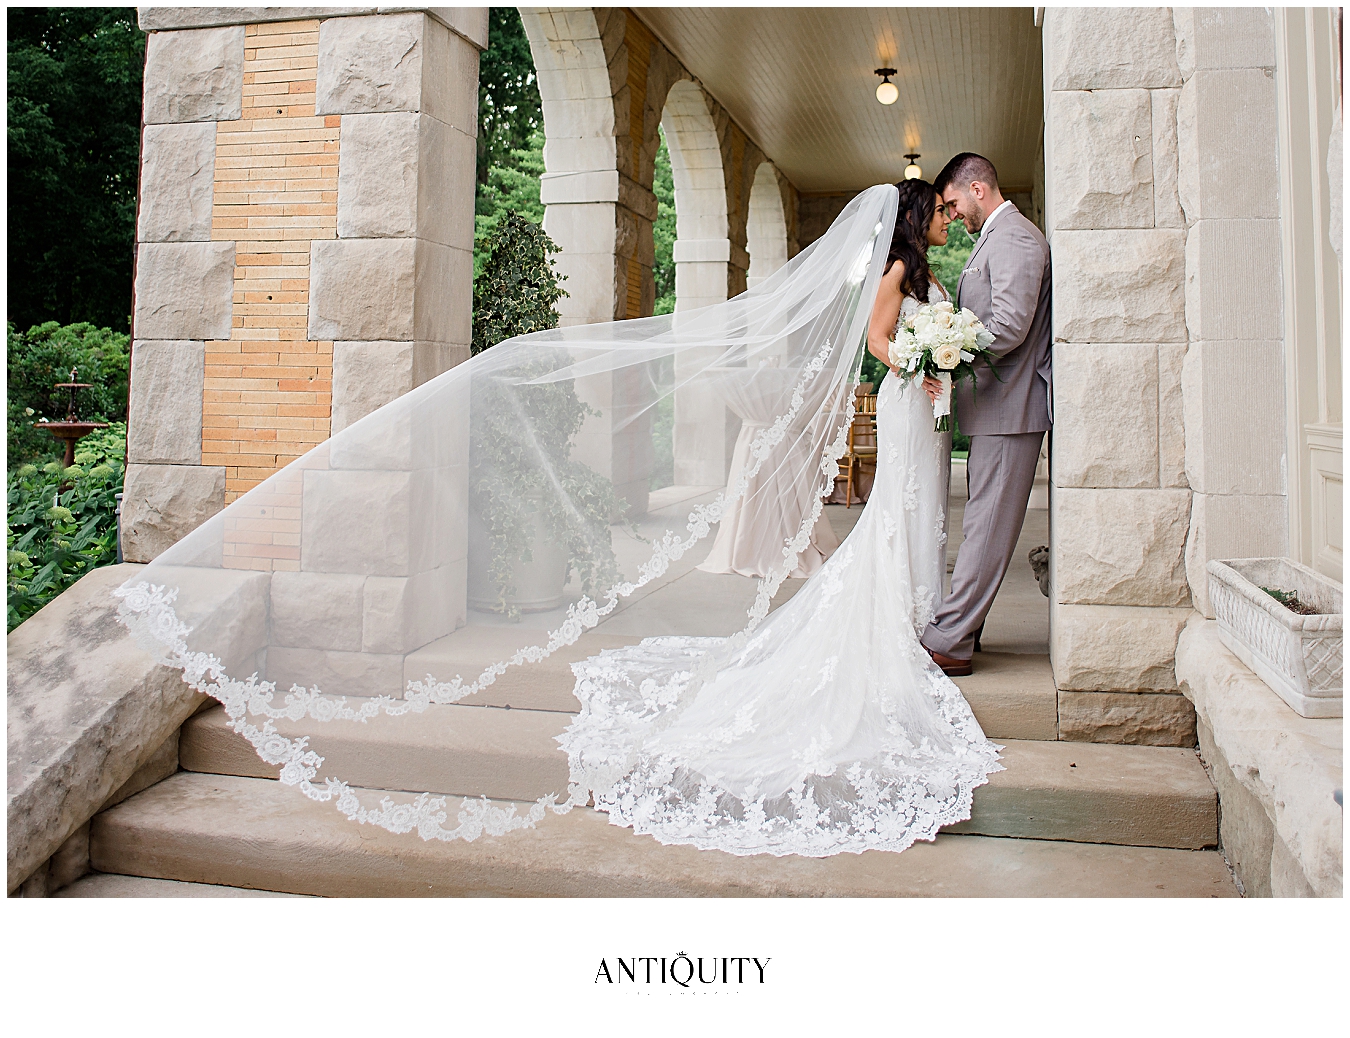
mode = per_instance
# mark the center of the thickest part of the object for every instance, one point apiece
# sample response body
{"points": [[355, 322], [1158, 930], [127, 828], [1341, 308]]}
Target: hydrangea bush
{"points": [[61, 522]]}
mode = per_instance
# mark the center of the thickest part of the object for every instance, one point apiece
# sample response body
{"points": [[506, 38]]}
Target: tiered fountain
{"points": [[72, 430]]}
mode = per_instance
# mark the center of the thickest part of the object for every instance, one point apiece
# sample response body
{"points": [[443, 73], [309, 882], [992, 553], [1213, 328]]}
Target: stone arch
{"points": [[702, 248], [573, 58], [592, 69], [766, 228]]}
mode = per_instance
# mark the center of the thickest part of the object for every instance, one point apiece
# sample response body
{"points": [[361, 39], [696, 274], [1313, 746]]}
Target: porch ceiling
{"points": [[800, 82]]}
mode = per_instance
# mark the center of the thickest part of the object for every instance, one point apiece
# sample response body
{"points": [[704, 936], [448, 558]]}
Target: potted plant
{"points": [[1285, 622], [537, 513]]}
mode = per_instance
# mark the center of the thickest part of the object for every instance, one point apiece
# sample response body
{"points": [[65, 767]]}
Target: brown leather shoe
{"points": [[951, 666]]}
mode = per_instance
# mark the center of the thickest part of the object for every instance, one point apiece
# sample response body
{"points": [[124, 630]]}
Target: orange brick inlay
{"points": [[269, 389]]}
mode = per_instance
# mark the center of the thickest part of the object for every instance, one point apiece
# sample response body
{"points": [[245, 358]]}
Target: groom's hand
{"points": [[932, 387]]}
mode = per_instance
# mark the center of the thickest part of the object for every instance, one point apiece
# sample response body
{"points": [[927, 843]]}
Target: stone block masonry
{"points": [[267, 394], [1120, 503]]}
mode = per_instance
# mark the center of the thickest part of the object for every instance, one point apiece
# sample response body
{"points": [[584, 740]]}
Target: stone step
{"points": [[253, 833], [1141, 795], [101, 884], [1012, 695]]}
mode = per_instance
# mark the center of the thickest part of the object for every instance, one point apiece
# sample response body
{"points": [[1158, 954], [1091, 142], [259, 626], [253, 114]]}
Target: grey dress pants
{"points": [[1001, 470]]}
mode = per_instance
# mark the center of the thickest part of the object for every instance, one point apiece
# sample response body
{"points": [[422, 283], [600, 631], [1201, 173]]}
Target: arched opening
{"points": [[574, 86], [704, 429], [766, 230], [702, 250]]}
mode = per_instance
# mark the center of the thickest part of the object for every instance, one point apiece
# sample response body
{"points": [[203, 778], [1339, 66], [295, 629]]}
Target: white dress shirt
{"points": [[994, 216]]}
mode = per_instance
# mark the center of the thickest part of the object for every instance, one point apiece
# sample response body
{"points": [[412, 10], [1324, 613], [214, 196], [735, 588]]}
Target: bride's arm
{"points": [[885, 314]]}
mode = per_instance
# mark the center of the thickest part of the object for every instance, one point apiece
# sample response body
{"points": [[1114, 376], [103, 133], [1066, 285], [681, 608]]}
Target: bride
{"points": [[830, 729], [352, 584]]}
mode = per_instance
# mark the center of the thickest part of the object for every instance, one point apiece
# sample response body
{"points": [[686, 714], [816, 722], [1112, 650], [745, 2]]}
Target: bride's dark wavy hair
{"points": [[909, 242]]}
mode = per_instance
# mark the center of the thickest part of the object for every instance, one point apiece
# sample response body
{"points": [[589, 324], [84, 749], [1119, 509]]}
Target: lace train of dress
{"points": [[828, 729]]}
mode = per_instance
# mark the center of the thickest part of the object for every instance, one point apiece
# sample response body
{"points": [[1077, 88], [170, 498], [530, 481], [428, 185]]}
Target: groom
{"points": [[1006, 282]]}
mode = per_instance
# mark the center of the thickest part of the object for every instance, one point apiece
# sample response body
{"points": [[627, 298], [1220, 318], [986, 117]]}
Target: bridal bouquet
{"points": [[941, 341]]}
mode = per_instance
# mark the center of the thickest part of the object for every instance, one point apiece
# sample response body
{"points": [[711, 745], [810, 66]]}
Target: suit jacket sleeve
{"points": [[1015, 271]]}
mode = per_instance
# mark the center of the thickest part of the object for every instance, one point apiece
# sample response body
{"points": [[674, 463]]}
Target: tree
{"points": [[512, 189], [43, 356], [74, 115], [510, 132], [663, 230], [947, 261], [509, 106]]}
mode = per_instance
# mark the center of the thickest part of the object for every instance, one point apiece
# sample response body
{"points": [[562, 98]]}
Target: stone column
{"points": [[593, 67], [1234, 375], [393, 291], [306, 238], [331, 185], [194, 78], [1120, 503]]}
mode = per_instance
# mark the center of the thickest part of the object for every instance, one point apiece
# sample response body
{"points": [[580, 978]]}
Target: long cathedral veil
{"points": [[505, 509]]}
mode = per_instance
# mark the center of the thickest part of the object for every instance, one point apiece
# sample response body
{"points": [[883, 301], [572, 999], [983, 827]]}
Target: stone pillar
{"points": [[766, 229], [306, 235], [306, 257], [594, 67], [1120, 503], [1233, 377], [194, 79], [394, 288]]}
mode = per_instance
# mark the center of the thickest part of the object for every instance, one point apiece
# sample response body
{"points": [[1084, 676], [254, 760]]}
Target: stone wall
{"points": [[305, 242]]}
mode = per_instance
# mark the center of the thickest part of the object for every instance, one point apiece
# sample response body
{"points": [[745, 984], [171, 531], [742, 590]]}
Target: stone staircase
{"points": [[1063, 819]]}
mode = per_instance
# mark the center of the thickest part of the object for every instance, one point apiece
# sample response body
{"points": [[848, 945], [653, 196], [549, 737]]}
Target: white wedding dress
{"points": [[826, 729]]}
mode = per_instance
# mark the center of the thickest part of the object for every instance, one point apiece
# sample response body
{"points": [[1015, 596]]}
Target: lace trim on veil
{"points": [[147, 610]]}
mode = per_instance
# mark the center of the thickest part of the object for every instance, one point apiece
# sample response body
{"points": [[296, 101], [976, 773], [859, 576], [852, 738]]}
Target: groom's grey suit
{"points": [[1006, 282]]}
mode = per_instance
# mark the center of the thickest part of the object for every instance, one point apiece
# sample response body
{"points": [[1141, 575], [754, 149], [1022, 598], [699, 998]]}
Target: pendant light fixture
{"points": [[912, 171], [887, 92]]}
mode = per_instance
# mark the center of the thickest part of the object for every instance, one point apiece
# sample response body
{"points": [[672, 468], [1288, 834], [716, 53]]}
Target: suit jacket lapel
{"points": [[969, 260]]}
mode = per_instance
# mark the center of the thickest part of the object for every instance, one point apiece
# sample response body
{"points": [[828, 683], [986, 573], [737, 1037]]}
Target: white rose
{"points": [[921, 321], [947, 356], [943, 307], [944, 319]]}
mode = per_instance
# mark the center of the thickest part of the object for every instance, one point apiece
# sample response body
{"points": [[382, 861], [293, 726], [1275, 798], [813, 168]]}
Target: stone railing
{"points": [[92, 720]]}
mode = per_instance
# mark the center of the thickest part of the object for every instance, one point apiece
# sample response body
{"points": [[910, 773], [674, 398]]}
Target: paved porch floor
{"points": [[687, 601]]}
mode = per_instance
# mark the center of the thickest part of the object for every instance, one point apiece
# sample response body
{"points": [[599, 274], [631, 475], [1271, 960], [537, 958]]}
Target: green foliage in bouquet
{"points": [[521, 472], [38, 359], [62, 523]]}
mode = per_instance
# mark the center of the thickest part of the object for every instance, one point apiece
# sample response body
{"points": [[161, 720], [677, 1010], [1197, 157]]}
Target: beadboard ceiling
{"points": [[799, 80]]}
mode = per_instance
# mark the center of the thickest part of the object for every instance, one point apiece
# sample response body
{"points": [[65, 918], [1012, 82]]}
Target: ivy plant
{"points": [[523, 481]]}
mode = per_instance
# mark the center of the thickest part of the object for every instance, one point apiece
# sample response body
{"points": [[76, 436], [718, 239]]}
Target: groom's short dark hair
{"points": [[964, 170]]}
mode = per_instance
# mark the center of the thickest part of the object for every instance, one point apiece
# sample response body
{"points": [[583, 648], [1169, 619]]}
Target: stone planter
{"points": [[538, 583], [1301, 658]]}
